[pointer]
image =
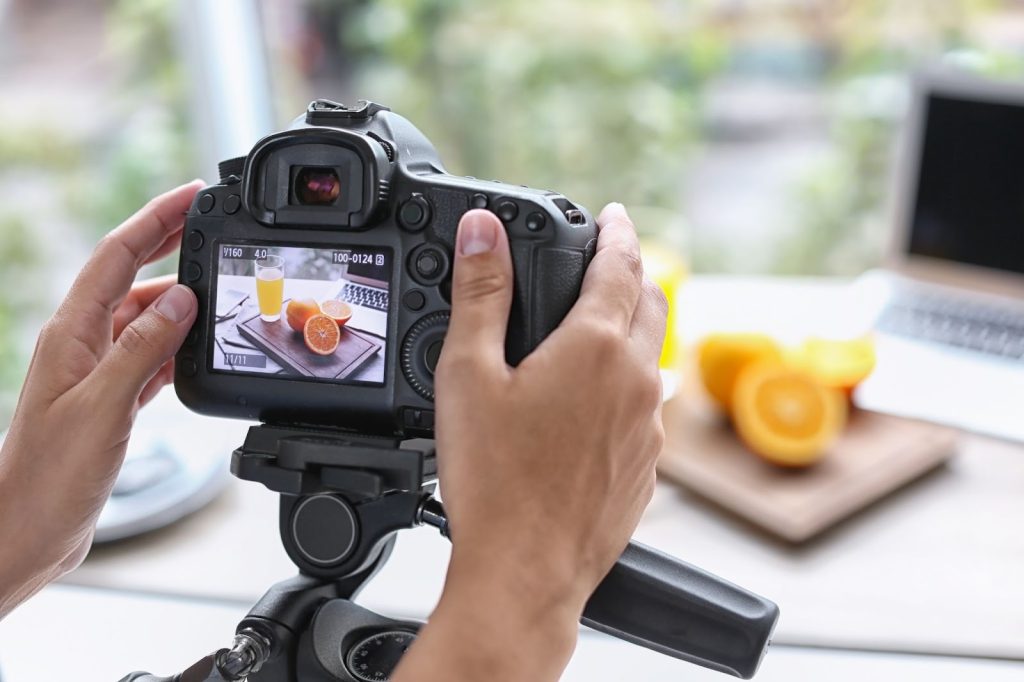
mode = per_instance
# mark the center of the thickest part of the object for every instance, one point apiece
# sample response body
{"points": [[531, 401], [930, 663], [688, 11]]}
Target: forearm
{"points": [[19, 577], [488, 627]]}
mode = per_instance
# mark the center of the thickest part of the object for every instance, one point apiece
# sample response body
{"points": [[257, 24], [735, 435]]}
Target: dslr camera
{"points": [[322, 262]]}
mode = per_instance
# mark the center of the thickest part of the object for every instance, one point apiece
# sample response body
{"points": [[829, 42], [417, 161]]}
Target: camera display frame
{"points": [[393, 195]]}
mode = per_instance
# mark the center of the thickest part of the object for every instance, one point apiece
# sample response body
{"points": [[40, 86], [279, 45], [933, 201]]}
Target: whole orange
{"points": [[299, 311]]}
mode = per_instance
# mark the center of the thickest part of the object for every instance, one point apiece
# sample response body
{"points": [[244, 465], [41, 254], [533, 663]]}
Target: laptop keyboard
{"points": [[995, 330], [368, 297]]}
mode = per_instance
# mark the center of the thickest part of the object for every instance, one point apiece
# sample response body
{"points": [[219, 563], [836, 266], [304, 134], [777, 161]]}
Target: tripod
{"points": [[343, 499]]}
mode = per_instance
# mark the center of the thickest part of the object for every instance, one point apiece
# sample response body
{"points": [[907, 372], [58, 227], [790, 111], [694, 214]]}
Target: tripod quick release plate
{"points": [[294, 461]]}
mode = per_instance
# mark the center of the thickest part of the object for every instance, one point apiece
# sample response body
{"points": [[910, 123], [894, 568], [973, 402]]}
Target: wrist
{"points": [[28, 567], [491, 624]]}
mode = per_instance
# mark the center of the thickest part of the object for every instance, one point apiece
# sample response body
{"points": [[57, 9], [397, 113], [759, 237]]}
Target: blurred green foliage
{"points": [[594, 99], [141, 149], [842, 204], [149, 148], [19, 259]]}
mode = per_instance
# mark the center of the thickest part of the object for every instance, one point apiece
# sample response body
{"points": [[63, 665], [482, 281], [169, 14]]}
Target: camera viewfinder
{"points": [[317, 186]]}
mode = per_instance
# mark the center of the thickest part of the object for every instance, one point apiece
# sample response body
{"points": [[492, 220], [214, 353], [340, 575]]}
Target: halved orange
{"points": [[721, 358], [339, 311], [784, 415], [321, 334], [838, 364]]}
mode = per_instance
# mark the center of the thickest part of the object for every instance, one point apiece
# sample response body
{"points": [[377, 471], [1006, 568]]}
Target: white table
{"points": [[935, 569]]}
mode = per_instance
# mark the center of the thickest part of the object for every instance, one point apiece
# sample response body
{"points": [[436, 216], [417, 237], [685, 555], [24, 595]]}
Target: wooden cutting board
{"points": [[286, 347], [876, 455]]}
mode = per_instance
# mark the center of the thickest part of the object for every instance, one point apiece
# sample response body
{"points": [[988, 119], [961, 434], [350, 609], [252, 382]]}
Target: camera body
{"points": [[322, 263]]}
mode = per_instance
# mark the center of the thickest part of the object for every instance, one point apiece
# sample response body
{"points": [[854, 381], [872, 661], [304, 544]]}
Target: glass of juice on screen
{"points": [[270, 287]]}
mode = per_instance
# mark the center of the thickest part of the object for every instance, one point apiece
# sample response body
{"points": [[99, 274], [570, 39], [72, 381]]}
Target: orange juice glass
{"points": [[270, 287]]}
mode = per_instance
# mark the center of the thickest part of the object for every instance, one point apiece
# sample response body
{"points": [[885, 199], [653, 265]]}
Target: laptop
{"points": [[949, 304], [365, 288]]}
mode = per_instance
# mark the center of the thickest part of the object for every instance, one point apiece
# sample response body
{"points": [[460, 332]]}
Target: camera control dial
{"points": [[376, 657], [421, 350]]}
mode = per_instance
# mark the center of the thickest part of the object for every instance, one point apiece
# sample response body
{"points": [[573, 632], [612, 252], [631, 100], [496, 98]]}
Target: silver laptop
{"points": [[365, 288], [950, 301]]}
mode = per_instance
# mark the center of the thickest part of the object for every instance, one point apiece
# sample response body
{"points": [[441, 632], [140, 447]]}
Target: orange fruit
{"points": [[784, 415], [838, 364], [299, 310], [339, 311], [721, 358], [321, 334]]}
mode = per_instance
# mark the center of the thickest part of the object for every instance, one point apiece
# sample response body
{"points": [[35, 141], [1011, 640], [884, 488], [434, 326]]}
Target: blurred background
{"points": [[756, 140], [750, 137]]}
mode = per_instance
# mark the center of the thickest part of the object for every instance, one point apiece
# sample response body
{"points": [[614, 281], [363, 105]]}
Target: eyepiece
{"points": [[317, 186]]}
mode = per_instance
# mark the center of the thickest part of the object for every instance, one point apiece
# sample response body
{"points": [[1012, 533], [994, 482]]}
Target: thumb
{"points": [[145, 344], [481, 289]]}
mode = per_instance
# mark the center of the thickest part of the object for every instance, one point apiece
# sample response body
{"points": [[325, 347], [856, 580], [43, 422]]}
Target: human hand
{"points": [[545, 468], [107, 351]]}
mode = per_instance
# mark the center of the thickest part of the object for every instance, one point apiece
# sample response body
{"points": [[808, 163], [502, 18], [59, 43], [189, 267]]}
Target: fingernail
{"points": [[478, 233], [612, 209], [176, 303]]}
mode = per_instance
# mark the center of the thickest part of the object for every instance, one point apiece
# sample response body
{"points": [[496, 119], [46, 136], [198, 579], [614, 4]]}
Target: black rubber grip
{"points": [[656, 601]]}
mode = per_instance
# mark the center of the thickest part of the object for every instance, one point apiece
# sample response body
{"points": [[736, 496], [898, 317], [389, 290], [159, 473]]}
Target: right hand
{"points": [[546, 467]]}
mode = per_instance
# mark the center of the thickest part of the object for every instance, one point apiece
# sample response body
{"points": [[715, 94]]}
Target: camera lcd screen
{"points": [[318, 314]]}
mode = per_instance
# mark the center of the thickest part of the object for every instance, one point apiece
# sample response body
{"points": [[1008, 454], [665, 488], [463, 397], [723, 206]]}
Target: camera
{"points": [[322, 263]]}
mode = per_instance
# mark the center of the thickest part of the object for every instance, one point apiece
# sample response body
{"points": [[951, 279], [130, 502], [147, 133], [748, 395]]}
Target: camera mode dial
{"points": [[421, 350]]}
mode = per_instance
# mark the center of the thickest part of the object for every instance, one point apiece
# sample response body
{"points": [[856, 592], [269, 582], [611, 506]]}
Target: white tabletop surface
{"points": [[90, 635], [937, 568]]}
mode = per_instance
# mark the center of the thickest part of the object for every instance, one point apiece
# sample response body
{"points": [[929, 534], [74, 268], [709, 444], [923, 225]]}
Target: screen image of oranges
{"points": [[299, 310], [339, 311], [321, 334]]}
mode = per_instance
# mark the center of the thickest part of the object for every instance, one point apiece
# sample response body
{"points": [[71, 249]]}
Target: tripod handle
{"points": [[656, 601]]}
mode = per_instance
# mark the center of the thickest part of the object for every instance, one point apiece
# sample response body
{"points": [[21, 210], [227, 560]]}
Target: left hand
{"points": [[107, 351]]}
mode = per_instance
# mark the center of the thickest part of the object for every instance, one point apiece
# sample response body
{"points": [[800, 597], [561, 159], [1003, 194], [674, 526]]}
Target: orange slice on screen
{"points": [[299, 310], [784, 415], [339, 311], [321, 334], [838, 364], [721, 358]]}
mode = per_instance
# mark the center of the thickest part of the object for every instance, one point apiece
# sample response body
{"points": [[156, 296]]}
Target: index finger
{"points": [[611, 285], [108, 276]]}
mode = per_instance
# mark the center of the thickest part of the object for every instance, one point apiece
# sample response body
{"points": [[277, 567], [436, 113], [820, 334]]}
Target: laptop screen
{"points": [[371, 273], [969, 206]]}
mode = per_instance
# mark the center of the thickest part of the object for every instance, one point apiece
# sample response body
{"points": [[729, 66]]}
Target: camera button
{"points": [[478, 200], [421, 419], [189, 367], [195, 240], [206, 203], [232, 204], [433, 355], [535, 221], [193, 272], [414, 213], [507, 211], [427, 264], [414, 300]]}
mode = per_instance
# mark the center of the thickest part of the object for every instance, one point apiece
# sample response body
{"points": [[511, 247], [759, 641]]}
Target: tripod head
{"points": [[343, 499]]}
